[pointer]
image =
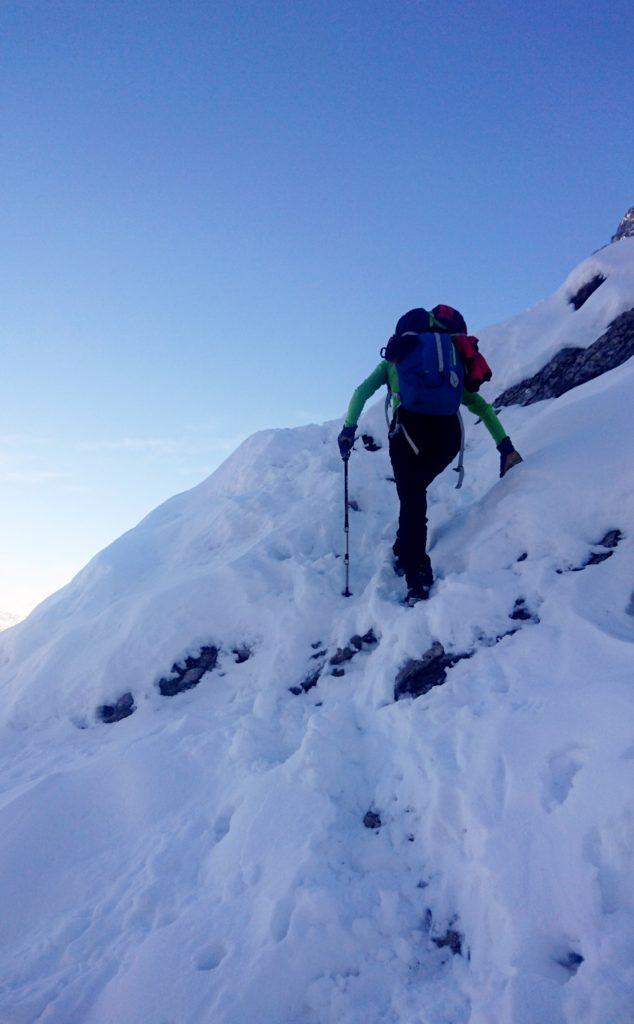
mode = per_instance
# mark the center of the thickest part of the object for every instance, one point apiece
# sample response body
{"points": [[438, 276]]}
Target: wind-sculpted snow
{"points": [[238, 853], [520, 347]]}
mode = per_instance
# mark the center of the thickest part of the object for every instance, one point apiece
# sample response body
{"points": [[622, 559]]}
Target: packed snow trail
{"points": [[205, 859]]}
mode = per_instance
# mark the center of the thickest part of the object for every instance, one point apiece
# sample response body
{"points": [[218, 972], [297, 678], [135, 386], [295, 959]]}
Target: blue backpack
{"points": [[430, 373]]}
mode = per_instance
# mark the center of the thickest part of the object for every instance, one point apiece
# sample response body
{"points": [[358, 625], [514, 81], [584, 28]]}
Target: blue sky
{"points": [[213, 213]]}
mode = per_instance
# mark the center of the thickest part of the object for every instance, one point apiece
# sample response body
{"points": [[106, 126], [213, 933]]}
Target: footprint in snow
{"points": [[211, 957], [281, 918], [222, 825], [559, 777]]}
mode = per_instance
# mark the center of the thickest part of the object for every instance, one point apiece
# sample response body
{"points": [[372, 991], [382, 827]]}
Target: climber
{"points": [[430, 366]]}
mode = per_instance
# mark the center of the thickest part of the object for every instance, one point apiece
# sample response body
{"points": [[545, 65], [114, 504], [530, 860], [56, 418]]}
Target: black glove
{"points": [[508, 456], [346, 441]]}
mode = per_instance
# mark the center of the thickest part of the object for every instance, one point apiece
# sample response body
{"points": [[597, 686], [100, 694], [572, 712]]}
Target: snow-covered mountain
{"points": [[7, 619], [286, 843], [626, 226]]}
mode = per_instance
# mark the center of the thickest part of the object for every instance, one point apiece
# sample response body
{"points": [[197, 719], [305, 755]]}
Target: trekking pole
{"points": [[346, 529]]}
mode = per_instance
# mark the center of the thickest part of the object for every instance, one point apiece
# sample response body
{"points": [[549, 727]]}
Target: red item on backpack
{"points": [[477, 370]]}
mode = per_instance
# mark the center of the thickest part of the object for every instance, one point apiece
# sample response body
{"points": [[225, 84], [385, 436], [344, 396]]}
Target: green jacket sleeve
{"points": [[479, 407], [365, 390]]}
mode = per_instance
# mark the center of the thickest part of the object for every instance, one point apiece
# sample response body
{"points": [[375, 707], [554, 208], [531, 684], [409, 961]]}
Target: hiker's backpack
{"points": [[430, 373]]}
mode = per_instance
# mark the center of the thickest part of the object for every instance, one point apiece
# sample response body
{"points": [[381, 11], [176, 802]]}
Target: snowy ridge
{"points": [[522, 345], [205, 859]]}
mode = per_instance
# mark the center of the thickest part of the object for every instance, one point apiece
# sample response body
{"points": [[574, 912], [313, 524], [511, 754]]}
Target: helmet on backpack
{"points": [[416, 321], [450, 319]]}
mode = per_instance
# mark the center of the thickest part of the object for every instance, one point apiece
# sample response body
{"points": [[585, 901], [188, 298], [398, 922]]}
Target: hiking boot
{"points": [[398, 566], [509, 457], [419, 588], [511, 460], [419, 592], [397, 561]]}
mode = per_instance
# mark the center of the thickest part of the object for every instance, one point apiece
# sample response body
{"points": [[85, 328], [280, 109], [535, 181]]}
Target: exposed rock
{"points": [[184, 677], [577, 300], [418, 676], [491, 641], [123, 708], [610, 541], [521, 613], [372, 820], [370, 444], [242, 654], [308, 683], [574, 366], [595, 559], [571, 961], [342, 654], [451, 939], [626, 227]]}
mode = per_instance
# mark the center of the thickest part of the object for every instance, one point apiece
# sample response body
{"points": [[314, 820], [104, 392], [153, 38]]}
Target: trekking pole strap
{"points": [[409, 440]]}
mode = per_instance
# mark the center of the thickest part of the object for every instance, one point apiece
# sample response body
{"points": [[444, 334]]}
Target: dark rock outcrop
{"points": [[418, 676], [626, 227], [185, 676], [342, 655], [522, 613], [451, 939], [372, 820], [122, 708], [589, 288], [574, 366], [610, 541], [571, 961], [308, 683]]}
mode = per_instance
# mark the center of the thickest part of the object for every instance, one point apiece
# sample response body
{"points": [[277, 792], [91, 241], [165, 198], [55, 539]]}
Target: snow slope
{"points": [[204, 861]]}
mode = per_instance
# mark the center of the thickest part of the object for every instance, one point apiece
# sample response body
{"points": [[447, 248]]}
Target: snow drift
{"points": [[211, 858]]}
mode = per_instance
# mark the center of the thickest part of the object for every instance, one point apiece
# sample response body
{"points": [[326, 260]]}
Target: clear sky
{"points": [[214, 212]]}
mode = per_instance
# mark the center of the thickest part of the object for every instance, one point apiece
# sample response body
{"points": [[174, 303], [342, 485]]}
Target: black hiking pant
{"points": [[438, 441]]}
